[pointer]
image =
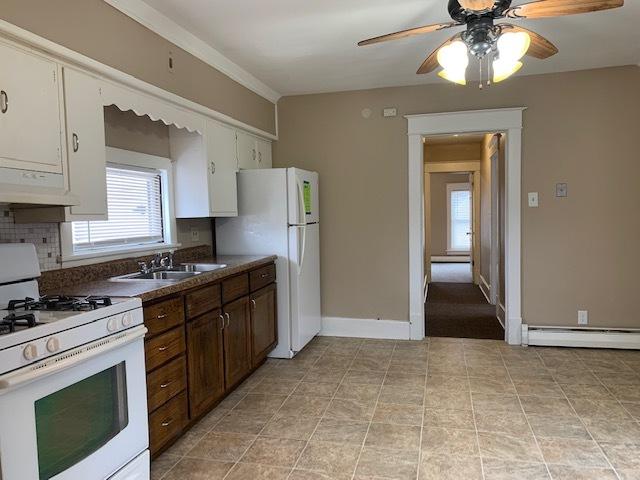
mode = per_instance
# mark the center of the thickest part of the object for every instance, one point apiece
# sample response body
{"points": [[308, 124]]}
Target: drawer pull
{"points": [[166, 423], [228, 318], [264, 275], [165, 385], [162, 349], [160, 317], [221, 318], [253, 302]]}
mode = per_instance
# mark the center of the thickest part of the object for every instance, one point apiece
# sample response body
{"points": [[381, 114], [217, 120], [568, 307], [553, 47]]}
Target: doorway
{"points": [[462, 185], [508, 120]]}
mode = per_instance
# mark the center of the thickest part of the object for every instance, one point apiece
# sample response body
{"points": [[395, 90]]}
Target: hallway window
{"points": [[458, 217]]}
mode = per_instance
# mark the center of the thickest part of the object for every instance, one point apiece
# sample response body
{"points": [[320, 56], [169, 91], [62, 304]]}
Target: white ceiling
{"points": [[309, 46]]}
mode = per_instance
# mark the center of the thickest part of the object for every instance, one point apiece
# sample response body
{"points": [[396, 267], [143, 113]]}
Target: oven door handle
{"points": [[70, 358]]}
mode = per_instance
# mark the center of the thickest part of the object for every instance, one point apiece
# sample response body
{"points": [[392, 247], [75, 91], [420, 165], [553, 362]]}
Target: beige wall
{"points": [[577, 252], [452, 152], [439, 209], [99, 31]]}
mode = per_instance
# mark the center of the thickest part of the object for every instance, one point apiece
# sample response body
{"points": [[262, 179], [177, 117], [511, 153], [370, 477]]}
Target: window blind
{"points": [[460, 220], [134, 199]]}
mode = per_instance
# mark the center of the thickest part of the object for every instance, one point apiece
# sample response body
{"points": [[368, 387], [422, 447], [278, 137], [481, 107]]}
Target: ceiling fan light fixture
{"points": [[512, 46], [503, 69], [454, 59]]}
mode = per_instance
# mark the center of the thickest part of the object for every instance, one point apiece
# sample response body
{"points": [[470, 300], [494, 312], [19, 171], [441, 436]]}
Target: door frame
{"points": [[473, 167], [508, 120]]}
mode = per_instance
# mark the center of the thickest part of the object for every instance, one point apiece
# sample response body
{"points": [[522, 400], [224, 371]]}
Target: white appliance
{"points": [[72, 381], [278, 214]]}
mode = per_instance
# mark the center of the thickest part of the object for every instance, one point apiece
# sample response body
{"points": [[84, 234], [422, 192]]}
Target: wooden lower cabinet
{"points": [[264, 323], [202, 344], [237, 341], [205, 361]]}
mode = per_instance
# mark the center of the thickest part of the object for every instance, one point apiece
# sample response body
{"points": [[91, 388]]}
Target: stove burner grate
{"points": [[60, 303], [11, 321]]}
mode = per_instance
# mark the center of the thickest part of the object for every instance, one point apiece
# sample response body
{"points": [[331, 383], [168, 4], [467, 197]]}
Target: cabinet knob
{"points": [[4, 101], [75, 142]]}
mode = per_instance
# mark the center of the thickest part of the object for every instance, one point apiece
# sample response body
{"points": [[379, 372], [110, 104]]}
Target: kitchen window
{"points": [[134, 200], [141, 217], [458, 218]]}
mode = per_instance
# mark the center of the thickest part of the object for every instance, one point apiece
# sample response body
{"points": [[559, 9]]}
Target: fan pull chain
{"points": [[489, 64], [480, 85]]}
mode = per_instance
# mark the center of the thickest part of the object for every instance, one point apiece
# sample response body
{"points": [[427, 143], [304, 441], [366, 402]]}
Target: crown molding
{"points": [[171, 31]]}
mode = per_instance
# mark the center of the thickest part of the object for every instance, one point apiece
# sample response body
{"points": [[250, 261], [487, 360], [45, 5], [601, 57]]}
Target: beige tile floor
{"points": [[440, 409]]}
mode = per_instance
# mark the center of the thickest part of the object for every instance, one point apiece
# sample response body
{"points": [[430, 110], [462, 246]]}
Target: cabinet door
{"points": [[264, 154], [237, 349], [264, 333], [223, 165], [86, 145], [30, 127], [205, 361], [247, 151]]}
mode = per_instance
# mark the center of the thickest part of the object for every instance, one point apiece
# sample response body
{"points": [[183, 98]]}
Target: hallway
{"points": [[451, 272], [460, 310]]}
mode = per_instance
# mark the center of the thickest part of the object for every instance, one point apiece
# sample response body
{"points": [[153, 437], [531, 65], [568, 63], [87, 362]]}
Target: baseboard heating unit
{"points": [[580, 337]]}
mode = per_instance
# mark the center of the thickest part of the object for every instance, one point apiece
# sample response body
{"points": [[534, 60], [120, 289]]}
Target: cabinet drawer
{"points": [[167, 422], [166, 382], [203, 300], [262, 277], [160, 349], [235, 287], [162, 316]]}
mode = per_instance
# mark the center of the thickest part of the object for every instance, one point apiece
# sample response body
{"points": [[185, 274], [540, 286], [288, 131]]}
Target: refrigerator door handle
{"points": [[300, 259], [301, 216]]}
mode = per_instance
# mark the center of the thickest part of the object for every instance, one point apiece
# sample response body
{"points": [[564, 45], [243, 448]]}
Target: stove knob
{"points": [[30, 352], [112, 325], [126, 319], [53, 345]]}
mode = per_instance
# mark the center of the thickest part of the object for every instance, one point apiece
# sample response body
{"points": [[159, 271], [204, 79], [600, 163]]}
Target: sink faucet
{"points": [[166, 260]]}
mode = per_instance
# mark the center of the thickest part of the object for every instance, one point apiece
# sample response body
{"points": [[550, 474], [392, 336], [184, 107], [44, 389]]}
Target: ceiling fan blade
{"points": [[557, 8], [477, 5], [407, 33], [431, 62], [540, 47]]}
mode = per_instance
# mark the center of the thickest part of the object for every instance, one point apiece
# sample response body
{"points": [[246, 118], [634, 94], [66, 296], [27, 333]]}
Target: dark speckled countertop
{"points": [[152, 289]]}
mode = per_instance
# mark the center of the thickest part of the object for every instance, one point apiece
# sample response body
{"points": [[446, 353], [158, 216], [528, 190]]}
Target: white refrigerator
{"points": [[278, 215]]}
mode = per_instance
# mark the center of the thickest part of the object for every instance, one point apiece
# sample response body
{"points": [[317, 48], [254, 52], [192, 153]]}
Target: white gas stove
{"points": [[72, 375]]}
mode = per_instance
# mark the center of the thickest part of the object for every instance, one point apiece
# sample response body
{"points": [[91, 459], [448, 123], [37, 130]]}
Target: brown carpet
{"points": [[460, 310]]}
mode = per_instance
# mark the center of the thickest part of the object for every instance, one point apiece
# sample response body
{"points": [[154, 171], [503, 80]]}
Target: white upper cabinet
{"points": [[253, 152], [223, 166], [264, 154], [85, 145], [30, 114], [205, 172]]}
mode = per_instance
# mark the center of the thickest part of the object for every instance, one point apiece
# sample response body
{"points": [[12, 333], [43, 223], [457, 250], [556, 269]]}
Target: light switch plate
{"points": [[195, 234], [533, 199], [561, 190]]}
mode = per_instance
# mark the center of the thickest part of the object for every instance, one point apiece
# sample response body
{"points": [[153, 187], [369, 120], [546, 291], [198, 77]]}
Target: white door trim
{"points": [[507, 120]]}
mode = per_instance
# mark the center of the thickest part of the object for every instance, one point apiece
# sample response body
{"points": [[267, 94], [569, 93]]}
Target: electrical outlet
{"points": [[533, 199], [561, 190], [195, 234], [583, 317]]}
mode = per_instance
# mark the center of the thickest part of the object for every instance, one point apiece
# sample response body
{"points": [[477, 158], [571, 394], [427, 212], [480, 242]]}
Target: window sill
{"points": [[115, 254]]}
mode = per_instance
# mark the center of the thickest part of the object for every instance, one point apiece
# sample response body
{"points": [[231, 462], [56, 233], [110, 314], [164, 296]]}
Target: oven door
{"points": [[80, 415]]}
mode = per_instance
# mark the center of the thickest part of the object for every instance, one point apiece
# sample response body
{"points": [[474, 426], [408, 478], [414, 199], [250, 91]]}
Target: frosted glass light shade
{"points": [[513, 45], [454, 59], [503, 69]]}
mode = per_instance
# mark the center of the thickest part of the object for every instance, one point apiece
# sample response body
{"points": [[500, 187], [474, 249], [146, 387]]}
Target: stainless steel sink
{"points": [[173, 274], [160, 275], [201, 267]]}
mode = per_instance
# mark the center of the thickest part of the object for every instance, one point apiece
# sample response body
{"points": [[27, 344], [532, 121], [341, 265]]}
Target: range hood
{"points": [[28, 187]]}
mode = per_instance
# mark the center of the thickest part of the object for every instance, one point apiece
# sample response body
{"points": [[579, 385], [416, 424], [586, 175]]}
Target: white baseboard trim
{"points": [[485, 288], [580, 337], [450, 258], [365, 328]]}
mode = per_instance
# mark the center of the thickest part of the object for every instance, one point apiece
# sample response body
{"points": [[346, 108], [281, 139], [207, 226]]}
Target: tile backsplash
{"points": [[45, 236]]}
